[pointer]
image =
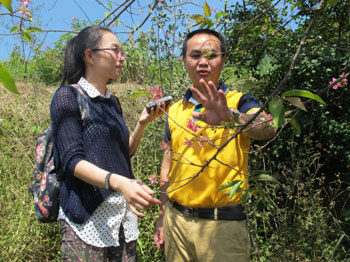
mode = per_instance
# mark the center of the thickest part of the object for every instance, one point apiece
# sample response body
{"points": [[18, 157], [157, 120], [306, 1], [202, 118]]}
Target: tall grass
{"points": [[293, 221]]}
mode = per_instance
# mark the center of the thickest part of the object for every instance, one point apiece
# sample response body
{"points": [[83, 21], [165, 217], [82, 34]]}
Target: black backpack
{"points": [[48, 177]]}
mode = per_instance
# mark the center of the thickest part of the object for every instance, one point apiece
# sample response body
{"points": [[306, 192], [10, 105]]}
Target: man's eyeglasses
{"points": [[116, 50], [206, 54]]}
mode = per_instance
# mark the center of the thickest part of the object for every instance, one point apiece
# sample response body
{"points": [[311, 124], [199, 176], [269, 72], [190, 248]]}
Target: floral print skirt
{"points": [[74, 249]]}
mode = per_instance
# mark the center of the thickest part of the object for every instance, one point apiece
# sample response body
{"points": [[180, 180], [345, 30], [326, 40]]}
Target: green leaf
{"points": [[227, 185], [206, 10], [35, 29], [7, 4], [303, 93], [13, 29], [296, 101], [244, 197], [332, 2], [296, 125], [198, 18], [277, 111], [35, 129], [7, 80], [235, 188], [117, 22], [265, 178], [266, 65], [248, 85], [26, 36], [292, 7], [220, 14], [135, 94]]}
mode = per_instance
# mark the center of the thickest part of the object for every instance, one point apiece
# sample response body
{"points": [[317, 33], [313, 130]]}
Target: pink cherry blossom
{"points": [[155, 93], [200, 143], [214, 8], [24, 3], [345, 80], [24, 11], [166, 33], [152, 179], [342, 83], [191, 125], [165, 146], [188, 142]]}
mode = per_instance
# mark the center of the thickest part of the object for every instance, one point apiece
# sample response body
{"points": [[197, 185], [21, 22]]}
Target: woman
{"points": [[99, 196]]}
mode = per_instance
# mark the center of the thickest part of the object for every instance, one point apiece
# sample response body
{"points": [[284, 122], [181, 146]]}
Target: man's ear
{"points": [[184, 61], [223, 62]]}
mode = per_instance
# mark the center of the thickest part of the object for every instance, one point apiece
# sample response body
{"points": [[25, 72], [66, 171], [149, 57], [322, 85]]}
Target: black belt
{"points": [[235, 212]]}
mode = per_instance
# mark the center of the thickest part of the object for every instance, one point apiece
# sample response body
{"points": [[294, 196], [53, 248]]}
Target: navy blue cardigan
{"points": [[102, 140]]}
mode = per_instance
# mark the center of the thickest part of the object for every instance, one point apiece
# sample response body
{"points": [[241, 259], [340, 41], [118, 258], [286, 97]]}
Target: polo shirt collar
{"points": [[188, 96], [91, 90]]}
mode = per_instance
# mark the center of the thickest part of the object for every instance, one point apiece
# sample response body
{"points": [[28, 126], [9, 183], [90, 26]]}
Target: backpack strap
{"points": [[82, 102]]}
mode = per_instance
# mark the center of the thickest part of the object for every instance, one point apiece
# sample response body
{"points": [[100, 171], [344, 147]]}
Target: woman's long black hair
{"points": [[74, 64]]}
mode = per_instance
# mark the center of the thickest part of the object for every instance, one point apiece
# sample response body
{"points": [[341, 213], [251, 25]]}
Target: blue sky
{"points": [[58, 14]]}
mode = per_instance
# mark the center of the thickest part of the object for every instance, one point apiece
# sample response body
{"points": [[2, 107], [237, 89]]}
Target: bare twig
{"points": [[147, 17], [115, 10], [102, 4], [258, 16], [81, 9]]}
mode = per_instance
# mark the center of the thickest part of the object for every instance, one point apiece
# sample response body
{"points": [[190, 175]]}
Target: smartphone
{"points": [[154, 104]]}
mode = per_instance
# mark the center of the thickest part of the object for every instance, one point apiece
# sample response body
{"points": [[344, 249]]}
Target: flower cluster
{"points": [[201, 141], [191, 125], [165, 147], [152, 179], [23, 8], [342, 83], [155, 93]]}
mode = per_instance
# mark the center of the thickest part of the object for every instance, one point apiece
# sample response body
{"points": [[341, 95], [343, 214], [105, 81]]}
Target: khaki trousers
{"points": [[204, 240]]}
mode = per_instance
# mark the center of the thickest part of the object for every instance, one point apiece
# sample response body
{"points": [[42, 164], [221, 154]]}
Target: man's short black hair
{"points": [[208, 32]]}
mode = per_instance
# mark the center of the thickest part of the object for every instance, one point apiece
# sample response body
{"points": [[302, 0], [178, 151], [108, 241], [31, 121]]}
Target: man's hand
{"points": [[214, 102], [158, 234]]}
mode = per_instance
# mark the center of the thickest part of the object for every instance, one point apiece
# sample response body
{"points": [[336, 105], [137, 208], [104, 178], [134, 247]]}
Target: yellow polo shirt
{"points": [[189, 154]]}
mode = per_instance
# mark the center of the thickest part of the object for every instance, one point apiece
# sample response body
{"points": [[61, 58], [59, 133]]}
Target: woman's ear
{"points": [[88, 56]]}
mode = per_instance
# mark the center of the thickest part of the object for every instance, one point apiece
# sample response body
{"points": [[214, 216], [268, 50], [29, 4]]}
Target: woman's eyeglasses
{"points": [[116, 50]]}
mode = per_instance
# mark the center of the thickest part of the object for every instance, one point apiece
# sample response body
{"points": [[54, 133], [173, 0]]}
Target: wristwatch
{"points": [[235, 115]]}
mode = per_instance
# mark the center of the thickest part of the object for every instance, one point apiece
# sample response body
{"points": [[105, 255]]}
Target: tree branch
{"points": [[279, 88]]}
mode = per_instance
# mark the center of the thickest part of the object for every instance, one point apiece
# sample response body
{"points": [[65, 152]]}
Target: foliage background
{"points": [[305, 217]]}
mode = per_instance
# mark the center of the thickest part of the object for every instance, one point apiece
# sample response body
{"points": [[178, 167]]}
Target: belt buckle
{"points": [[187, 212], [190, 212]]}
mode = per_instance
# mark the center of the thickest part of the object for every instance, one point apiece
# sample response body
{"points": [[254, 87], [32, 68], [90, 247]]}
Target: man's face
{"points": [[203, 59]]}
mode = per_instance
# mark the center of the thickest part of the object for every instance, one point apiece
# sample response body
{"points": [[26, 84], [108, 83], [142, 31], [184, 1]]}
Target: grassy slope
{"points": [[22, 118]]}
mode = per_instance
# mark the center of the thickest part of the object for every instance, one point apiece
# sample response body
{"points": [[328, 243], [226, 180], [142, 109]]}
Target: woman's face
{"points": [[108, 57]]}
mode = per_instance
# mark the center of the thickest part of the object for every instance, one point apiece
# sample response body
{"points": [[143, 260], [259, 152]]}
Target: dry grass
{"points": [[22, 118]]}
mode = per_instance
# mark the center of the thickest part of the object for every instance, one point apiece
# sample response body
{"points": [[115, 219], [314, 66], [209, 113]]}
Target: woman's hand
{"points": [[137, 194], [145, 117]]}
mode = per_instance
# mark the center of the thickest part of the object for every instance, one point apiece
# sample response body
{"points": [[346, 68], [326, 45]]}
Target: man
{"points": [[197, 223]]}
